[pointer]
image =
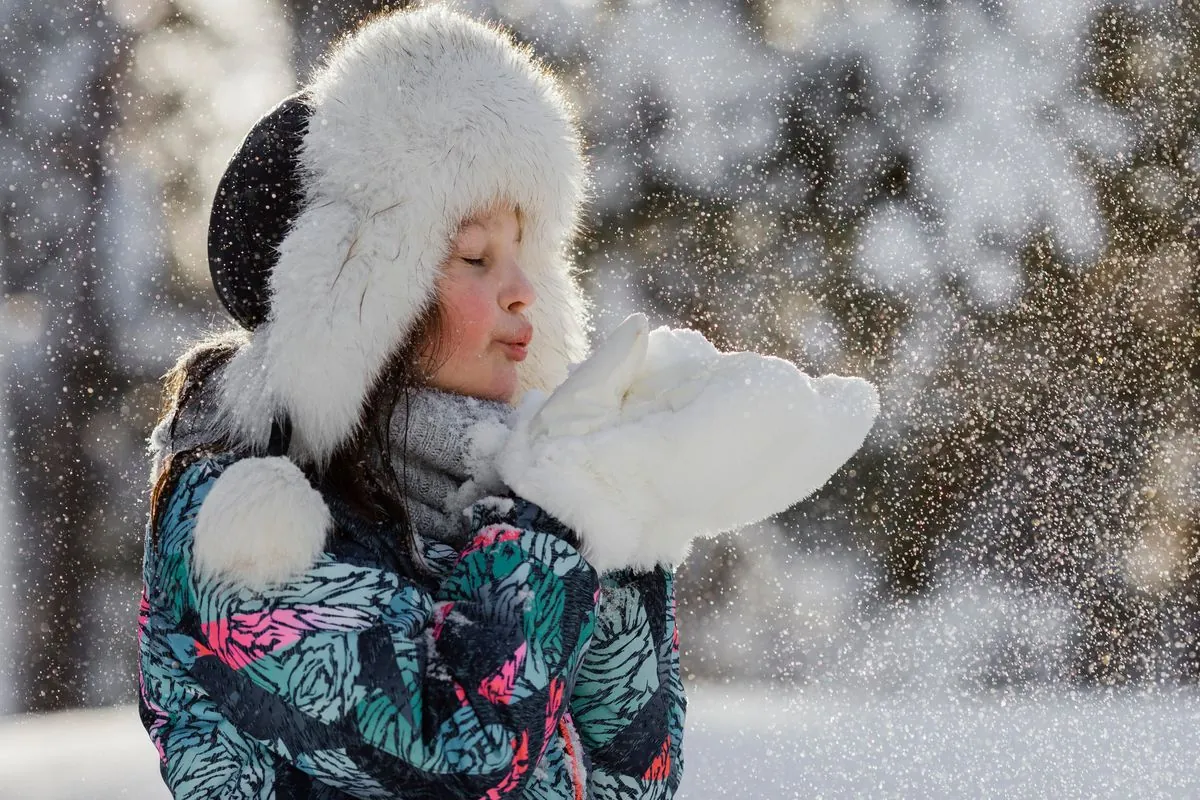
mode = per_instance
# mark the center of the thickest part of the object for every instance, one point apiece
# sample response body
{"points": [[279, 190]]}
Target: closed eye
{"points": [[474, 262]]}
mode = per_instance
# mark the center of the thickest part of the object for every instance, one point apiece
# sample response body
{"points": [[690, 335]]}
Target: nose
{"points": [[518, 294]]}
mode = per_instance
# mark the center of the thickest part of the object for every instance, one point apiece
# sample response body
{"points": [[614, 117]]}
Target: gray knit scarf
{"points": [[442, 450]]}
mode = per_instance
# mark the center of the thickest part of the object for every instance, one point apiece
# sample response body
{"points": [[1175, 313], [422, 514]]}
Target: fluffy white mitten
{"points": [[658, 438]]}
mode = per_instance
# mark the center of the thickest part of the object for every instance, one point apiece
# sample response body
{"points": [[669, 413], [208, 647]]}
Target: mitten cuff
{"points": [[558, 477]]}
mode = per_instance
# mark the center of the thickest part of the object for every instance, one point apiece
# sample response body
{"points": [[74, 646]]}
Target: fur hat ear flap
{"points": [[261, 523]]}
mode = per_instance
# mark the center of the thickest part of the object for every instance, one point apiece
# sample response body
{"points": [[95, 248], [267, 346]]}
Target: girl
{"points": [[368, 571]]}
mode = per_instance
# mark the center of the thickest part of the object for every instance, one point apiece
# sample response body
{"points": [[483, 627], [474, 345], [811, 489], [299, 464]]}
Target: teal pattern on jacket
{"points": [[514, 673]]}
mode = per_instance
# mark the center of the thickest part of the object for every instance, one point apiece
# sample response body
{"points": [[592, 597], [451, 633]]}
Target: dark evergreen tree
{"points": [[60, 69]]}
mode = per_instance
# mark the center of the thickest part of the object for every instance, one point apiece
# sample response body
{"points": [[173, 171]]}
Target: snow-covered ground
{"points": [[1063, 746], [746, 743]]}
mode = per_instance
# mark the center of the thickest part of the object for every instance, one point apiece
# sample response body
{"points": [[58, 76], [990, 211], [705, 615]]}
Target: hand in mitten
{"points": [[658, 438]]}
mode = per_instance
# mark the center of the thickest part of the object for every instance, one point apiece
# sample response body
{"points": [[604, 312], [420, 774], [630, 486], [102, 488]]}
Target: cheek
{"points": [[468, 312]]}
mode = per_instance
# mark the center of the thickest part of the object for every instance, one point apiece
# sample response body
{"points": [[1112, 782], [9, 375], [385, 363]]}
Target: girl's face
{"points": [[482, 294]]}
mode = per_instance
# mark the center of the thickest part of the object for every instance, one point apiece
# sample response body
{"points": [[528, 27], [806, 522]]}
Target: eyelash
{"points": [[475, 262]]}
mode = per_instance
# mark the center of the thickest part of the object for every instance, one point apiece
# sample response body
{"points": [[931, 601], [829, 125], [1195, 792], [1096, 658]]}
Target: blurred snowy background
{"points": [[991, 208]]}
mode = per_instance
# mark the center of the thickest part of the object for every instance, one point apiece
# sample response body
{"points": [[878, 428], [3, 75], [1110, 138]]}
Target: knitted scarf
{"points": [[441, 446], [442, 449]]}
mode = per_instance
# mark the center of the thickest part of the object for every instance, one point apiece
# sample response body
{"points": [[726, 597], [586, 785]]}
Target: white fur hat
{"points": [[417, 120]]}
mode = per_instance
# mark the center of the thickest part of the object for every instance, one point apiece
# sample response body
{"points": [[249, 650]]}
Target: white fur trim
{"points": [[419, 119], [159, 445], [261, 523]]}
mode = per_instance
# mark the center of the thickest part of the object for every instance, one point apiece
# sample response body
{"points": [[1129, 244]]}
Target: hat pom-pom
{"points": [[261, 523]]}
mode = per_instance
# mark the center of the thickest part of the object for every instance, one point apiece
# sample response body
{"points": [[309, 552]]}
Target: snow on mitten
{"points": [[659, 438]]}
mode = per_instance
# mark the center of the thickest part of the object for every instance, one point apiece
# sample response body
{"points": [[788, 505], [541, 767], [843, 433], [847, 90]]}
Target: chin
{"points": [[506, 394], [502, 390], [500, 384]]}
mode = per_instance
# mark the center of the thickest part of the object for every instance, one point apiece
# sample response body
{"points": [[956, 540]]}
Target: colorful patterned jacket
{"points": [[513, 672]]}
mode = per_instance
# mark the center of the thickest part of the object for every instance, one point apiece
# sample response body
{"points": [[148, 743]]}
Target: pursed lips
{"points": [[517, 347]]}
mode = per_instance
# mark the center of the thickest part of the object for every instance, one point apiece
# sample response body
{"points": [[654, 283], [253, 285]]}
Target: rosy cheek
{"points": [[475, 308], [468, 318]]}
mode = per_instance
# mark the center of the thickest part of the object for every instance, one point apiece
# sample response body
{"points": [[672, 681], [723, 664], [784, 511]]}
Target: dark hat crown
{"points": [[257, 200]]}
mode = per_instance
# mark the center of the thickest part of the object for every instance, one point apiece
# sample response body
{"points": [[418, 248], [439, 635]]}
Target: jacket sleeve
{"points": [[363, 680], [629, 703]]}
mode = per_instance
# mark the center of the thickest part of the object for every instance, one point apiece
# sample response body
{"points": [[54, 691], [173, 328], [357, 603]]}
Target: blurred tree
{"points": [[120, 120], [59, 72], [989, 209]]}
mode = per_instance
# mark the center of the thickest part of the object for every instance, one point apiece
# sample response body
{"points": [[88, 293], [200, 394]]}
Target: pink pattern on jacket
{"points": [[498, 687], [242, 639]]}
